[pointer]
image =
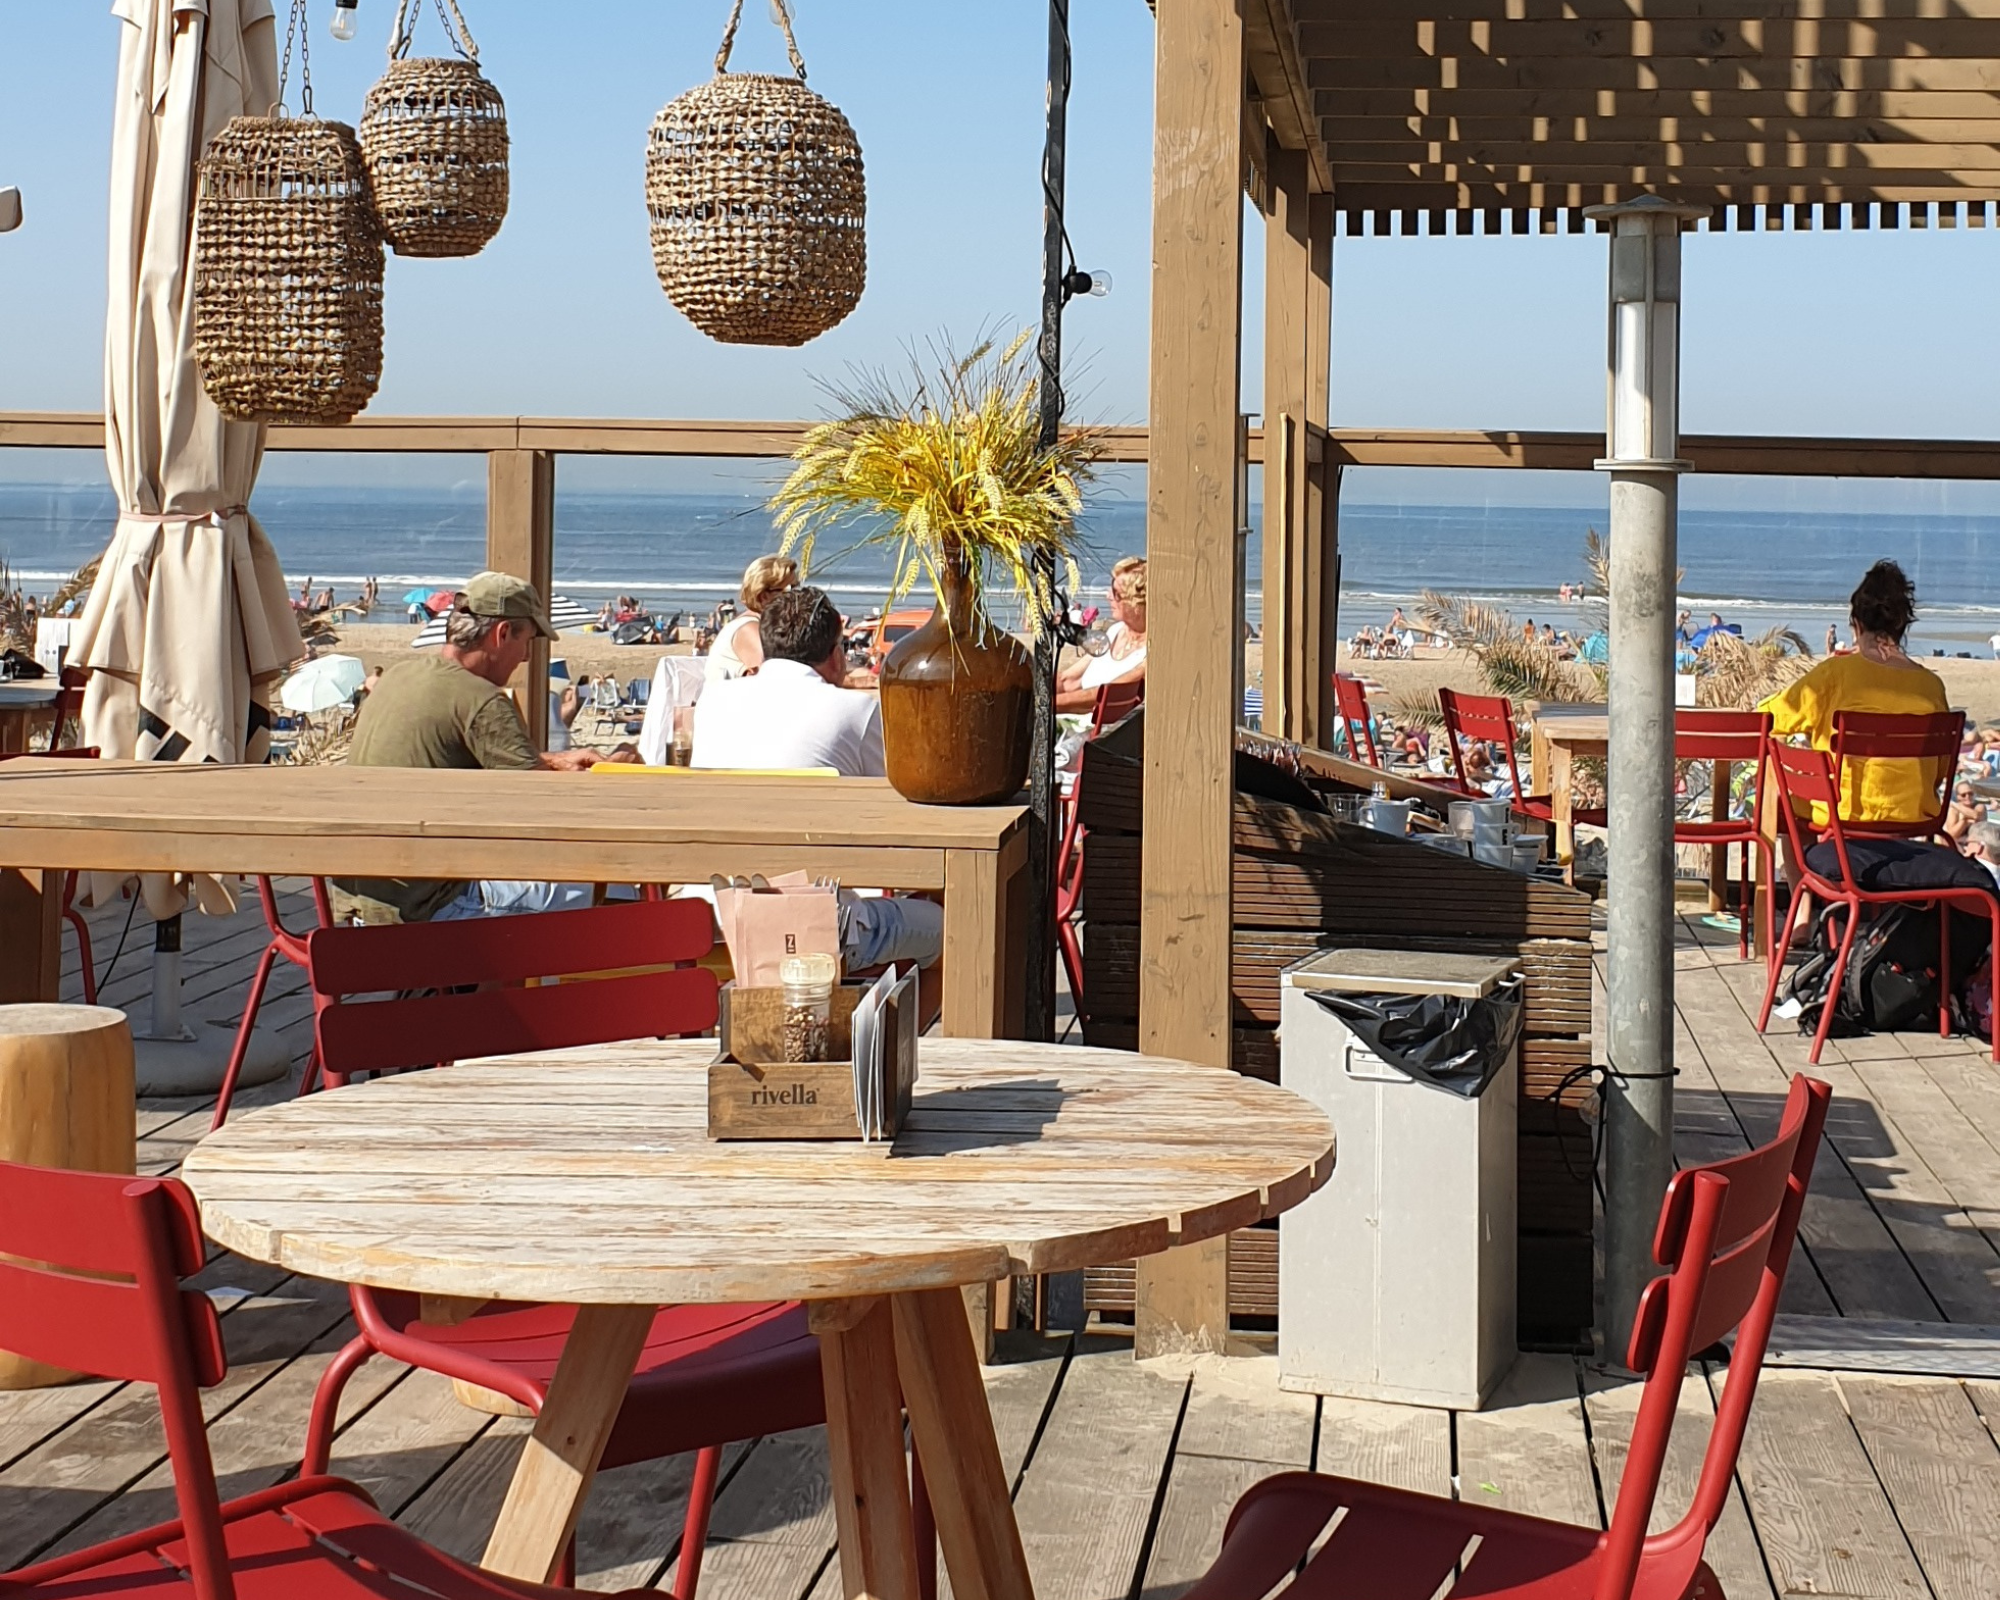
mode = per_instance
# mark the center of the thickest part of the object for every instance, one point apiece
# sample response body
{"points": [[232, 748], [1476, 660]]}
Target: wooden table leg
{"points": [[1562, 801], [561, 1458], [864, 1438], [30, 936], [1538, 759], [985, 908], [953, 1431]]}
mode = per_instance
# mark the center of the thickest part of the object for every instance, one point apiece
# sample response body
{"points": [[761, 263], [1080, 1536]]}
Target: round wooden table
{"points": [[586, 1178]]}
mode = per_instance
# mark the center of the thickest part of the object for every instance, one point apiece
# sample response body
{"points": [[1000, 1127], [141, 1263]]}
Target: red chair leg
{"points": [[1745, 897], [1826, 1010], [309, 1073], [1944, 969], [1072, 958], [566, 1565], [1781, 946], [252, 1004], [326, 1405], [88, 963], [694, 1534]]}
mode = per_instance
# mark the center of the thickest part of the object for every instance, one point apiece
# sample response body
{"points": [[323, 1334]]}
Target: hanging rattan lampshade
{"points": [[755, 188], [287, 272], [434, 137]]}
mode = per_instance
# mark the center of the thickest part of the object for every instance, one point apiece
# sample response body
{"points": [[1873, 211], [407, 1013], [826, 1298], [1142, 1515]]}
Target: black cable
{"points": [[131, 911]]}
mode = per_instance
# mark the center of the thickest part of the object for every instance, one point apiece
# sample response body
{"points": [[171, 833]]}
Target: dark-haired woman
{"points": [[1877, 675]]}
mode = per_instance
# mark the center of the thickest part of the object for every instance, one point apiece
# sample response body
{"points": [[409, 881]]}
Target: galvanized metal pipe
{"points": [[1644, 464]]}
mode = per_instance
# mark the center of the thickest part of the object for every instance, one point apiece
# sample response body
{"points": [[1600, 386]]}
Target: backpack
{"points": [[1892, 978]]}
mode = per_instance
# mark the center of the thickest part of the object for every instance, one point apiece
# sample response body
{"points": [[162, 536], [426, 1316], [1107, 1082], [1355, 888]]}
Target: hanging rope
{"points": [[782, 16], [449, 16]]}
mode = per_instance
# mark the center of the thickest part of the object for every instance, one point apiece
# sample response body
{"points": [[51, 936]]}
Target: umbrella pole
{"points": [[167, 1024], [175, 1059]]}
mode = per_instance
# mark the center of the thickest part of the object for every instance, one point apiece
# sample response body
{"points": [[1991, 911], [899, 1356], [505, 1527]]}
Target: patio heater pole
{"points": [[1042, 794], [1643, 461]]}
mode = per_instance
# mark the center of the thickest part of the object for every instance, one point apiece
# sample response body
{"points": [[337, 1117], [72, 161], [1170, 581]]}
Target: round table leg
{"points": [[953, 1430], [864, 1439]]}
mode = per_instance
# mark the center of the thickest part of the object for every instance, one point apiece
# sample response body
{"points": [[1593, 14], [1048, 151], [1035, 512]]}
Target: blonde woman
{"points": [[1124, 658], [738, 650]]}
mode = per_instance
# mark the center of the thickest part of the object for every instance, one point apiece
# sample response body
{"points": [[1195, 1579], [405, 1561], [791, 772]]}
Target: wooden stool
{"points": [[66, 1078]]}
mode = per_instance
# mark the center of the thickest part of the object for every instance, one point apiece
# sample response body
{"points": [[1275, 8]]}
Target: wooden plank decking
{"points": [[1858, 1478]]}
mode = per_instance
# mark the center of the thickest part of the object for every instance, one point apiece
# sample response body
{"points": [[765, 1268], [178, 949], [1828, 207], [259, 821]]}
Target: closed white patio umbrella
{"points": [[189, 622]]}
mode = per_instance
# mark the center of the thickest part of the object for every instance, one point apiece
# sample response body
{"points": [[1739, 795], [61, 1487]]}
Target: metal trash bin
{"points": [[1397, 1280]]}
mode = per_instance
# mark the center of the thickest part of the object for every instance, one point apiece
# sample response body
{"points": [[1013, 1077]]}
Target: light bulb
{"points": [[343, 18], [1100, 285]]}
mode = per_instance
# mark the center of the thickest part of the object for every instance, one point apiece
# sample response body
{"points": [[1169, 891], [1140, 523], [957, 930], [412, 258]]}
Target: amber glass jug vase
{"points": [[958, 702]]}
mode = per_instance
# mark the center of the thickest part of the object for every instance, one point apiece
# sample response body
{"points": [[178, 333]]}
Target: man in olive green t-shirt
{"points": [[453, 710]]}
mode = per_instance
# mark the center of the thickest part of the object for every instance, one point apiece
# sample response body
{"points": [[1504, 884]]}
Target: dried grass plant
{"points": [[949, 464]]}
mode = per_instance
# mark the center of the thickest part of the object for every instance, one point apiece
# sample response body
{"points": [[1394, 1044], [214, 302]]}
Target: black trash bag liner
{"points": [[1440, 1039]]}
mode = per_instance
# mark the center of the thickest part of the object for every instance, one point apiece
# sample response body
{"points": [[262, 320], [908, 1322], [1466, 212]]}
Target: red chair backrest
{"points": [[1116, 702], [1350, 699], [1488, 718], [1701, 735], [414, 1030], [1933, 737], [90, 1271], [1725, 1237]]}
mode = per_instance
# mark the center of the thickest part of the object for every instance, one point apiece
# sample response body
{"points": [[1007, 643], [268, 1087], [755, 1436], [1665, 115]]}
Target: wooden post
{"points": [[30, 935], [1319, 496], [66, 1079], [521, 539], [1287, 303], [1192, 665]]}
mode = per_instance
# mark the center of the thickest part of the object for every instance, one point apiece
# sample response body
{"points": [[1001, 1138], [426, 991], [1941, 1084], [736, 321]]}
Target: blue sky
{"points": [[1872, 334]]}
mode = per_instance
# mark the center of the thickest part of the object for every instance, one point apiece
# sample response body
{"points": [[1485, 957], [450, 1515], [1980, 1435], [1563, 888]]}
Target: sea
{"points": [[1788, 568]]}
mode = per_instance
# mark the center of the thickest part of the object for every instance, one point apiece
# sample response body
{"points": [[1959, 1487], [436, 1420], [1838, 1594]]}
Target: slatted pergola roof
{"points": [[1803, 113]]}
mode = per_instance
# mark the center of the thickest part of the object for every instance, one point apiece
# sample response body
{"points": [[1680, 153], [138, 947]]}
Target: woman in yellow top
{"points": [[1878, 675]]}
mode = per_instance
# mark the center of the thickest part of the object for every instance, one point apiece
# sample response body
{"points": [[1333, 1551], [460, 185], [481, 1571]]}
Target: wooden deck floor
{"points": [[1871, 1468]]}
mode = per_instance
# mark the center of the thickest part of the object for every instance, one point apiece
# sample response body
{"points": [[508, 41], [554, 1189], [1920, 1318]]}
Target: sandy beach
{"points": [[1973, 685]]}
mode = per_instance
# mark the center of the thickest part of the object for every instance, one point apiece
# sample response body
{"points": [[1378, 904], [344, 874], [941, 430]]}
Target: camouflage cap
{"points": [[500, 594]]}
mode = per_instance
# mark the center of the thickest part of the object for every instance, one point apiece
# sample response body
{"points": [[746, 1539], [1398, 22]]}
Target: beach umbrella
{"points": [[417, 597], [189, 622], [322, 684], [440, 601], [564, 616], [1701, 637]]}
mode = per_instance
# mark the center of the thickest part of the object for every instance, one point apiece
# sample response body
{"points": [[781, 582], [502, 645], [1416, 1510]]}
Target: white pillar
{"points": [[1643, 449]]}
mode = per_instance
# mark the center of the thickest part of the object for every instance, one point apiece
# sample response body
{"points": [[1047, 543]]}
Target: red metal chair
{"points": [[1725, 1236], [1489, 718], [1864, 736], [1725, 738], [1806, 777], [1115, 702], [90, 1270], [292, 946], [70, 914], [1350, 699], [709, 1374]]}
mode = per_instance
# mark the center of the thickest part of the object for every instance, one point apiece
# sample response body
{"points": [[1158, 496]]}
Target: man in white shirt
{"points": [[793, 713]]}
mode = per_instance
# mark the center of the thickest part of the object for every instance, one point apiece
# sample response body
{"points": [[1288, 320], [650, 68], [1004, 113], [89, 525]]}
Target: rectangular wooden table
{"points": [[571, 827]]}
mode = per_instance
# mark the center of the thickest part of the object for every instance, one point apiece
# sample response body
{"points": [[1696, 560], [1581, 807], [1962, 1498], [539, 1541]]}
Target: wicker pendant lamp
{"points": [[755, 190], [434, 137], [287, 264]]}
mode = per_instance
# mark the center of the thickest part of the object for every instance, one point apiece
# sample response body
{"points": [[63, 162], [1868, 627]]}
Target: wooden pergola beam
{"points": [[1654, 100], [1645, 37], [1771, 75], [1614, 11], [1704, 161], [1871, 135], [1193, 652], [1380, 191]]}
